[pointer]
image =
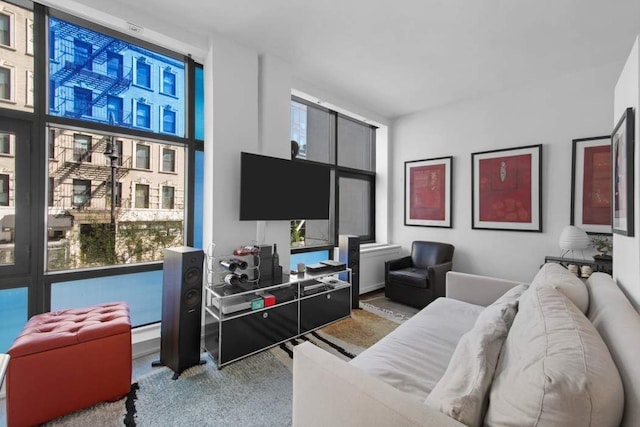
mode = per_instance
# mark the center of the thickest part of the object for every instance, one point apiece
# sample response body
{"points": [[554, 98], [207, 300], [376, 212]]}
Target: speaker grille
{"points": [[193, 276], [192, 298]]}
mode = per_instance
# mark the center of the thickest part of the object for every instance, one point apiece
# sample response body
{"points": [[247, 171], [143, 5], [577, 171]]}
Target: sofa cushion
{"points": [[462, 392], [416, 354], [558, 277], [554, 368], [410, 276]]}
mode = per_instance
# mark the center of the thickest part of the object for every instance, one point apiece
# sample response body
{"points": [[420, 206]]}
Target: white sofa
{"points": [[392, 383]]}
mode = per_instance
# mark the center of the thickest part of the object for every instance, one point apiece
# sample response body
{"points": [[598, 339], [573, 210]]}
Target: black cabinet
{"points": [[325, 308], [252, 332], [241, 321]]}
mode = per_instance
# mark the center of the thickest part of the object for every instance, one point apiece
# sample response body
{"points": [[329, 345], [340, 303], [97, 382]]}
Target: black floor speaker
{"points": [[349, 253], [181, 308]]}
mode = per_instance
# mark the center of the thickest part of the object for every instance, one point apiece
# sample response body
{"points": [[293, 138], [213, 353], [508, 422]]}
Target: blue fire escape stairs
{"points": [[72, 74]]}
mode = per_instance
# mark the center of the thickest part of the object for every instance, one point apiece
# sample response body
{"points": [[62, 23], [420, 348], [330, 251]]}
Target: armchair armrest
{"points": [[397, 264], [474, 289], [330, 391], [437, 276]]}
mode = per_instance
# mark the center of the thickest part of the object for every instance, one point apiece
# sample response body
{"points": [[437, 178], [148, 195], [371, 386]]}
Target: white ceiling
{"points": [[397, 57]]}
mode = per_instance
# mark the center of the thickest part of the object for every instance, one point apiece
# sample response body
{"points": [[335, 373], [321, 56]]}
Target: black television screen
{"points": [[279, 189]]}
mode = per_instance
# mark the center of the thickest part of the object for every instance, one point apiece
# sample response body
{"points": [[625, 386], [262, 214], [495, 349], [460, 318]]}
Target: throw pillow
{"points": [[555, 369], [462, 391], [567, 283]]}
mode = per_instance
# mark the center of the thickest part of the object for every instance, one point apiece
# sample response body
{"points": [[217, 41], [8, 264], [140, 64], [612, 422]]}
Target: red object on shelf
{"points": [[269, 300], [246, 250]]}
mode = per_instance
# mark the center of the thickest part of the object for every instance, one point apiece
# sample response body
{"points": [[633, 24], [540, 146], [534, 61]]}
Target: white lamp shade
{"points": [[573, 238]]}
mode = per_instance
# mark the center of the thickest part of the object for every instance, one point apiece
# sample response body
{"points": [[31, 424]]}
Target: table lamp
{"points": [[572, 239]]}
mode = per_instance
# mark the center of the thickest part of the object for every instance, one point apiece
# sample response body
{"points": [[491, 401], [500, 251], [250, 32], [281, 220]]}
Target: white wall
{"points": [[551, 113], [274, 125], [626, 250], [231, 126]]}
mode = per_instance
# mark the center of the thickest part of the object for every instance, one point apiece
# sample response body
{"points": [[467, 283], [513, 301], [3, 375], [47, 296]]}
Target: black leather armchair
{"points": [[418, 279]]}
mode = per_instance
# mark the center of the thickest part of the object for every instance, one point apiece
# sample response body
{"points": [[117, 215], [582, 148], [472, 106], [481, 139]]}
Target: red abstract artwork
{"points": [[596, 201], [505, 189], [427, 192]]}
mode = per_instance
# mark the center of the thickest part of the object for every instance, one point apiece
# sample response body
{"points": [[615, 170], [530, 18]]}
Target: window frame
{"points": [[148, 156], [29, 39], [35, 277], [82, 155], [165, 71], [11, 85], [168, 109], [142, 60], [12, 30], [6, 184], [136, 104], [86, 193], [147, 195], [342, 171], [10, 145], [87, 56], [162, 160], [173, 197]]}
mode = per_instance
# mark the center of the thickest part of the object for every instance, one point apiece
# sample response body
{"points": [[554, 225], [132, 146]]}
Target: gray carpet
{"points": [[255, 391], [202, 396]]}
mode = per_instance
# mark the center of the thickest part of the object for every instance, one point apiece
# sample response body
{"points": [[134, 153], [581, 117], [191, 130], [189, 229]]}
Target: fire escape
{"points": [[92, 73], [76, 165]]}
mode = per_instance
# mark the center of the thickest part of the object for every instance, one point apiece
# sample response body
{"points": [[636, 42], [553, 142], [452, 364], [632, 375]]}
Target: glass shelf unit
{"points": [[238, 321]]}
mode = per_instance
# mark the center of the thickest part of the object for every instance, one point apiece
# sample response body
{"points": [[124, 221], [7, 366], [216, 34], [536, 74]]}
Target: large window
{"points": [[88, 103], [325, 136], [83, 201], [113, 67]]}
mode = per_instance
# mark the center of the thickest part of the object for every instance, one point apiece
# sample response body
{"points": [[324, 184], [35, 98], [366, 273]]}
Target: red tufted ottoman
{"points": [[67, 360]]}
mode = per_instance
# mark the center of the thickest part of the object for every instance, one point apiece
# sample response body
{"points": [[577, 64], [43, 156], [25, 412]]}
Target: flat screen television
{"points": [[280, 189]]}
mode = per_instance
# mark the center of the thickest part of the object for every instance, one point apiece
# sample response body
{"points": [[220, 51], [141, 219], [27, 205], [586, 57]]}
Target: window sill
{"points": [[378, 247], [147, 88], [169, 95]]}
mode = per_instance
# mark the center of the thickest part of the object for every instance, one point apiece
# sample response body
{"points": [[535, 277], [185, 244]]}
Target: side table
{"points": [[597, 265]]}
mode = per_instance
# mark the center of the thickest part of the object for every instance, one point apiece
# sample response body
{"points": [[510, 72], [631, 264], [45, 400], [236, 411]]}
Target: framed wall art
{"points": [[427, 192], [622, 141], [507, 189], [591, 184]]}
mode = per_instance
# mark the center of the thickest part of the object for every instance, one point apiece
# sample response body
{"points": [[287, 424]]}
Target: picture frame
{"points": [[591, 184], [428, 192], [622, 152], [507, 189]]}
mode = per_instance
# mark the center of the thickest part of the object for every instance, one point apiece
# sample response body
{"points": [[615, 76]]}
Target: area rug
{"points": [[254, 391]]}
